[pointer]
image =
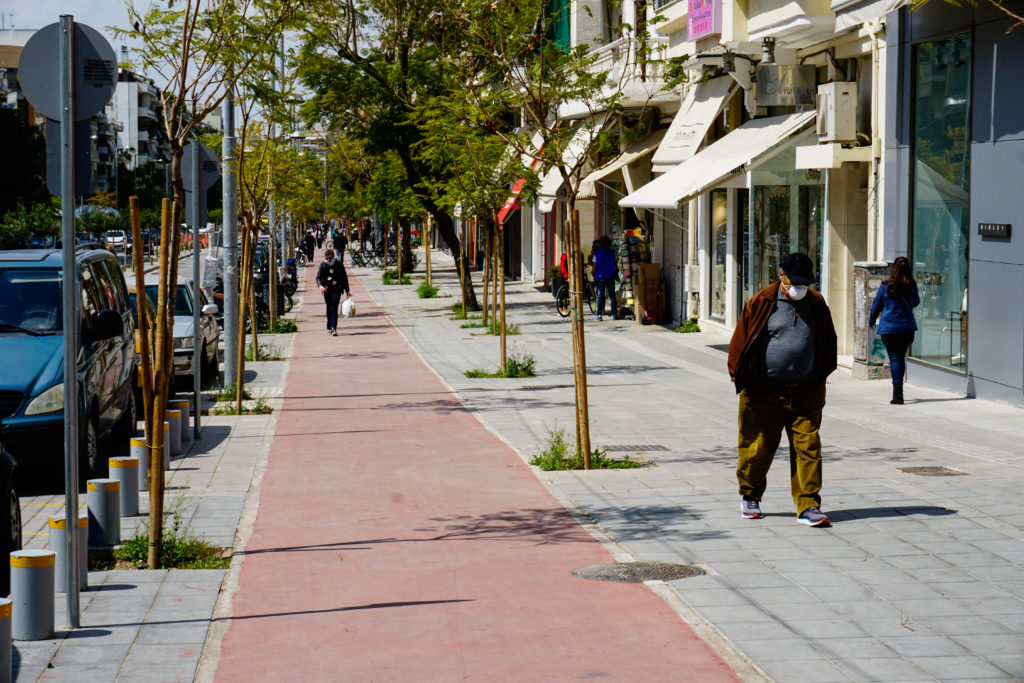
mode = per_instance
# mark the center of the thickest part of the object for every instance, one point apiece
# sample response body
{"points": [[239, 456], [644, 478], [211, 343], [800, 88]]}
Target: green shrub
{"points": [[520, 364], [473, 321], [261, 407], [265, 352], [180, 549], [228, 393], [560, 454], [391, 278], [689, 326], [284, 326], [510, 330], [427, 291]]}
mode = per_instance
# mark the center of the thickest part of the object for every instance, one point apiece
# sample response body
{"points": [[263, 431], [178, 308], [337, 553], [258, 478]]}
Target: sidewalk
{"points": [[921, 577], [398, 539]]}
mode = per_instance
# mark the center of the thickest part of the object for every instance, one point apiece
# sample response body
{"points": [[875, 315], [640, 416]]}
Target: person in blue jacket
{"points": [[605, 272], [893, 310]]}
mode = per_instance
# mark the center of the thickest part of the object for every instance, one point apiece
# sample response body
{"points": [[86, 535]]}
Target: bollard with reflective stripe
{"points": [[59, 545], [6, 671], [104, 511], [174, 417], [167, 445], [126, 471], [140, 452], [185, 406], [32, 594]]}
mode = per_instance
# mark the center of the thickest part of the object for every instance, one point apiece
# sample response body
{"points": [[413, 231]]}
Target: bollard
{"points": [[126, 471], [185, 406], [104, 511], [6, 671], [32, 594], [59, 545], [174, 417], [141, 453]]}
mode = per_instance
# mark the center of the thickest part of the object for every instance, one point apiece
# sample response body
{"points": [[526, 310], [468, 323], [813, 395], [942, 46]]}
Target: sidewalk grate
{"points": [[636, 448], [638, 572], [932, 471], [545, 387]]}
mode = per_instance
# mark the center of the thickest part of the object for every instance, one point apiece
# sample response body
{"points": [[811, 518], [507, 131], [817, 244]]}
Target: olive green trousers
{"points": [[765, 411]]}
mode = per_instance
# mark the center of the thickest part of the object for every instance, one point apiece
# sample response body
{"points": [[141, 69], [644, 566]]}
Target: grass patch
{"points": [[260, 407], [689, 326], [510, 330], [180, 549], [561, 454], [473, 321], [228, 393], [427, 291], [264, 352], [456, 309], [390, 277], [517, 364], [284, 326]]}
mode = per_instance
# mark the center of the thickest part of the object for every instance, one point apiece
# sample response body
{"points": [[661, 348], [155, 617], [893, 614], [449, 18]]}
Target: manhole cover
{"points": [[636, 448], [932, 471], [638, 572]]}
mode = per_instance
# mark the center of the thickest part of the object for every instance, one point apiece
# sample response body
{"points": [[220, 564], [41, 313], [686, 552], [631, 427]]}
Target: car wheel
{"points": [[15, 538], [128, 424], [88, 451]]}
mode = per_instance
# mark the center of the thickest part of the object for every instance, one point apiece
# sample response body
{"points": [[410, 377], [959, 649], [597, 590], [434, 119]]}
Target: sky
{"points": [[99, 14]]}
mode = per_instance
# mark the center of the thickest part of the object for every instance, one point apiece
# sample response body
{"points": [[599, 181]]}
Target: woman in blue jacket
{"points": [[893, 309]]}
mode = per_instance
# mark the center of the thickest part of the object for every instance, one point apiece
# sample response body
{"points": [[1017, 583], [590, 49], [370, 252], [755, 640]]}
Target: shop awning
{"points": [[717, 162], [699, 109], [850, 13], [632, 153], [533, 161], [574, 151]]}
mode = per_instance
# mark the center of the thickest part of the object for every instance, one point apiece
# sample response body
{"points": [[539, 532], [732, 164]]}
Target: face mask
{"points": [[330, 261], [796, 292]]}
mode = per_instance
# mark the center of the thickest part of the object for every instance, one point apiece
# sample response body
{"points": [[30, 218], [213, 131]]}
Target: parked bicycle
{"points": [[563, 304]]}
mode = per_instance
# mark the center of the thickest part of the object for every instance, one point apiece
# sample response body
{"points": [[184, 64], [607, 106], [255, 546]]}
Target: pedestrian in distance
{"points": [[333, 281], [781, 352], [893, 311], [308, 245], [340, 243], [319, 237], [605, 273]]}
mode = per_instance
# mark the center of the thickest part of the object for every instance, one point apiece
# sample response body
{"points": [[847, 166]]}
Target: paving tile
{"points": [[924, 646], [83, 653], [989, 645], [812, 629], [82, 673], [779, 649], [967, 667], [806, 671]]}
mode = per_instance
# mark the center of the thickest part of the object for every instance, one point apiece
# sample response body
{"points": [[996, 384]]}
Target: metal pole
{"points": [[229, 249], [197, 369], [70, 304]]}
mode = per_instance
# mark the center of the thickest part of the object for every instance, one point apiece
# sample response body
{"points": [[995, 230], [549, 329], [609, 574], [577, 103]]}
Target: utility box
{"points": [[691, 279], [837, 112], [869, 358]]}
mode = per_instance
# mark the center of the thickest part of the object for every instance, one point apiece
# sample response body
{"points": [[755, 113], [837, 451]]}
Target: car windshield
{"points": [[182, 302], [30, 299]]}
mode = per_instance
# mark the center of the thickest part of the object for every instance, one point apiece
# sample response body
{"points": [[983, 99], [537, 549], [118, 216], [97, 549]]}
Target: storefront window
{"points": [[719, 251], [941, 198], [611, 192], [789, 206]]}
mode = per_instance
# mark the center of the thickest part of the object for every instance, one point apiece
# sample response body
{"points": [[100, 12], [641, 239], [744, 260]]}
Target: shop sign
{"points": [[994, 229], [703, 19], [785, 85]]}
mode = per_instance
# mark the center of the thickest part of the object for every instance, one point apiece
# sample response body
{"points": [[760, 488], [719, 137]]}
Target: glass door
{"points": [[719, 252]]}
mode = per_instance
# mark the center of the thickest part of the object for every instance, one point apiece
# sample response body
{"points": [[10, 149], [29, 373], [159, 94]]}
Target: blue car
{"points": [[32, 349]]}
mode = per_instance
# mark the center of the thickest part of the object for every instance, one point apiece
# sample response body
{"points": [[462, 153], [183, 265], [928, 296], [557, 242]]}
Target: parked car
{"points": [[209, 332], [10, 514], [114, 239], [32, 349]]}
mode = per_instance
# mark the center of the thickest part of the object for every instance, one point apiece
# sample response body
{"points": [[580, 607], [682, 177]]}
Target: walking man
{"points": [[783, 348], [605, 271], [339, 242], [332, 280]]}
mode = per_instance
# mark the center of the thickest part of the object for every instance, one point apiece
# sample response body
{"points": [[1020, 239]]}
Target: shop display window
{"points": [[940, 203]]}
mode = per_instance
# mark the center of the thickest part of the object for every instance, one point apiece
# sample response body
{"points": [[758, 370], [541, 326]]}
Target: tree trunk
{"points": [[582, 407], [426, 249], [494, 280], [487, 281], [501, 279], [155, 427], [243, 306], [446, 229]]}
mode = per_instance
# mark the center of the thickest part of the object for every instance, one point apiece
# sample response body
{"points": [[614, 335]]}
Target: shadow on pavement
{"points": [[876, 513]]}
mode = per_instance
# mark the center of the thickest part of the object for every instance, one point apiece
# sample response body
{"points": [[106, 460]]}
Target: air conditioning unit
{"points": [[837, 112], [691, 279]]}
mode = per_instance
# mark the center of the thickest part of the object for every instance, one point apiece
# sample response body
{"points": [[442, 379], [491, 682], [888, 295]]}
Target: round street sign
{"points": [[94, 65], [209, 168]]}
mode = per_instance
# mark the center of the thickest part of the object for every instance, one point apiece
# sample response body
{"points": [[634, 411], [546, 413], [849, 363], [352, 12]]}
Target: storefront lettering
{"points": [[704, 18]]}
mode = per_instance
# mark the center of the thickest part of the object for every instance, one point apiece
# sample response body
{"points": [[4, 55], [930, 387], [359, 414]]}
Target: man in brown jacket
{"points": [[783, 348]]}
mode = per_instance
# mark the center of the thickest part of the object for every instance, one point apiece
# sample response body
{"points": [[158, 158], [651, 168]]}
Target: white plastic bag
{"points": [[348, 308]]}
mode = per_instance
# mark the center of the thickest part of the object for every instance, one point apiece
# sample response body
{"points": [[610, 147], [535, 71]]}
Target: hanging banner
{"points": [[703, 19]]}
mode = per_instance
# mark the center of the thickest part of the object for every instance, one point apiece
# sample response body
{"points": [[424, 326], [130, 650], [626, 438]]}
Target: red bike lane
{"points": [[398, 539]]}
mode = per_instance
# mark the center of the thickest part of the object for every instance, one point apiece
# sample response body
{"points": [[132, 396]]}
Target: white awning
{"points": [[699, 109], [717, 162], [571, 157], [850, 13], [633, 152]]}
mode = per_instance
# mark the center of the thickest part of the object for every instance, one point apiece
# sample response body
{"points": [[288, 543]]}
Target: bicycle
{"points": [[563, 304], [300, 258]]}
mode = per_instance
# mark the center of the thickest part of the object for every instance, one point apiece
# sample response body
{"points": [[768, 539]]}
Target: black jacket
{"points": [[333, 276], [339, 242]]}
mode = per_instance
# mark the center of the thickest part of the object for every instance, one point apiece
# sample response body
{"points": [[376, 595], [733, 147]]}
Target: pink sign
{"points": [[703, 19]]}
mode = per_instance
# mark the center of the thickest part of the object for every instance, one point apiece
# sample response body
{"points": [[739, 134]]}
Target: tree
{"points": [[29, 224], [198, 49], [22, 182], [367, 63], [508, 60]]}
